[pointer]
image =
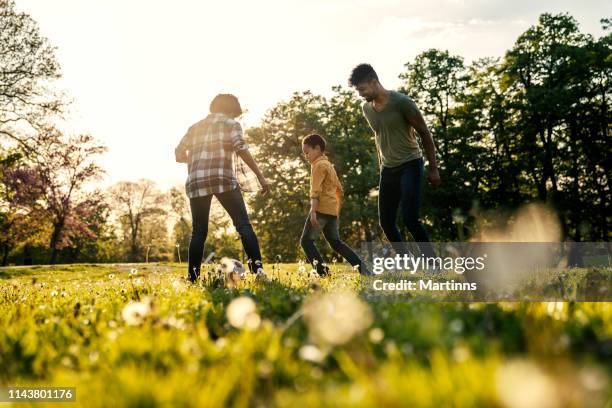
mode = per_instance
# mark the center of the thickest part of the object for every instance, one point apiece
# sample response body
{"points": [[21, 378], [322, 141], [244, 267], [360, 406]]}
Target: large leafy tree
{"points": [[28, 66]]}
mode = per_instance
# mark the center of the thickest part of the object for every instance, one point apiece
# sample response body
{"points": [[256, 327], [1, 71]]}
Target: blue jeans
{"points": [[329, 224], [233, 203], [400, 188]]}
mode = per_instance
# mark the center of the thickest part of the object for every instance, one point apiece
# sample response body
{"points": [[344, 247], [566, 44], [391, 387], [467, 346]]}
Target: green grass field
{"points": [[139, 336]]}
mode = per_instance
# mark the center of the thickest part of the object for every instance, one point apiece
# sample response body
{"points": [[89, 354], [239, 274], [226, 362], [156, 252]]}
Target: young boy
{"points": [[325, 201]]}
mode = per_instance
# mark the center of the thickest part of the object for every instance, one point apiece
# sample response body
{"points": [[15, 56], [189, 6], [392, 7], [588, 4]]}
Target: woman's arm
{"points": [[245, 155]]}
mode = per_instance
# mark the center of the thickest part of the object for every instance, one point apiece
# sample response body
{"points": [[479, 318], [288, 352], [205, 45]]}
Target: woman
{"points": [[210, 148]]}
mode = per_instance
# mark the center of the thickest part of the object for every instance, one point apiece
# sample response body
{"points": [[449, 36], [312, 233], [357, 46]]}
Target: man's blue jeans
{"points": [[400, 187]]}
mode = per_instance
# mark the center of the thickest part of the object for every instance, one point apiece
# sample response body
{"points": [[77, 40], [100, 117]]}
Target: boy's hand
{"points": [[313, 219]]}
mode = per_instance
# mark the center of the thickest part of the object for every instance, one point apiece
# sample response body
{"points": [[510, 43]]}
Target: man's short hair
{"points": [[361, 73], [314, 140], [227, 104]]}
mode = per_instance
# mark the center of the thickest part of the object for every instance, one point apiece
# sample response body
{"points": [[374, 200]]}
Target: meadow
{"points": [[139, 335]]}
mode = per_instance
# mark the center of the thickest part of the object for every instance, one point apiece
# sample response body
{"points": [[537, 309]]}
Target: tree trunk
{"points": [[58, 228]]}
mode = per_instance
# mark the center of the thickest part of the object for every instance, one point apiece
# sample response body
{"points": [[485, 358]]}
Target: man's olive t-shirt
{"points": [[396, 139]]}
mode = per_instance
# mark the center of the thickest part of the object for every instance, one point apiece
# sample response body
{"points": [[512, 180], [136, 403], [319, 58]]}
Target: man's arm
{"points": [[418, 123]]}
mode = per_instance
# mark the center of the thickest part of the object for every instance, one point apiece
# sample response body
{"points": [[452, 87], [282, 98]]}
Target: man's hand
{"points": [[433, 176], [313, 219], [265, 187]]}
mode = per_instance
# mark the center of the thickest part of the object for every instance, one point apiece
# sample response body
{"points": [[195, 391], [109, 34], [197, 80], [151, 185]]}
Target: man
{"points": [[396, 120]]}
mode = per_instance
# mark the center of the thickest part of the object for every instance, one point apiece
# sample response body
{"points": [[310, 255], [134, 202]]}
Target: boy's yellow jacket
{"points": [[324, 185]]}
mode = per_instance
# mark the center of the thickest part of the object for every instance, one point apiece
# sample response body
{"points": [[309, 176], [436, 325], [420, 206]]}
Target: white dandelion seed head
{"points": [[334, 318], [376, 335], [242, 313], [53, 293], [310, 352], [111, 275], [134, 313], [537, 388], [133, 271]]}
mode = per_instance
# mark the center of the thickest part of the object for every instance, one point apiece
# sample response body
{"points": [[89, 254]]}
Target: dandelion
{"points": [[133, 271], [334, 318], [537, 388], [376, 335], [54, 293], [310, 352], [134, 313], [111, 275], [242, 313]]}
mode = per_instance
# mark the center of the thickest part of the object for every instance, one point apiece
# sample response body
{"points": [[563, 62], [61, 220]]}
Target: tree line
{"points": [[533, 126]]}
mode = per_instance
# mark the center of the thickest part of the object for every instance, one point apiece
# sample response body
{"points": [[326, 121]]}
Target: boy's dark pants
{"points": [[329, 224]]}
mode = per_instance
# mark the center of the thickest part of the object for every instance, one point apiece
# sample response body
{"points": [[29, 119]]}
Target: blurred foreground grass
{"points": [[137, 335]]}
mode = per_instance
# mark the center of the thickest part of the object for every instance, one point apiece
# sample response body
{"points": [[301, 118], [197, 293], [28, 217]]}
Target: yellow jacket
{"points": [[325, 186]]}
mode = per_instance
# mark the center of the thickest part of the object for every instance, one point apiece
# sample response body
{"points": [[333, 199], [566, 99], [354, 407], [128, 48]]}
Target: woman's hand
{"points": [[265, 187]]}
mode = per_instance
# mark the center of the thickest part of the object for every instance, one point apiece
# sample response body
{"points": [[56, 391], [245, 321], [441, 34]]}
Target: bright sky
{"points": [[141, 72]]}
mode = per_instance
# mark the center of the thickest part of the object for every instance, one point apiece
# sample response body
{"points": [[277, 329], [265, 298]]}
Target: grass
{"points": [[309, 342]]}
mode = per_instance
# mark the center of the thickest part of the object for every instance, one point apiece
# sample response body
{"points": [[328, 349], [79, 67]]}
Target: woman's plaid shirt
{"points": [[212, 144]]}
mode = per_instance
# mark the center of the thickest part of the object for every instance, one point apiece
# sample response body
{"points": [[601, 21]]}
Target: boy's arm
{"points": [[339, 195], [316, 187]]}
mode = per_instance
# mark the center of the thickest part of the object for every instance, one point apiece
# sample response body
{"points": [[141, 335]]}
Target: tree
{"points": [[437, 82], [133, 204], [279, 216], [27, 65], [20, 211], [65, 165]]}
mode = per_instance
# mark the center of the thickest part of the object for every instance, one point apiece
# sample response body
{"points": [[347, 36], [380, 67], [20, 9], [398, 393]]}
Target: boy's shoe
{"points": [[323, 270]]}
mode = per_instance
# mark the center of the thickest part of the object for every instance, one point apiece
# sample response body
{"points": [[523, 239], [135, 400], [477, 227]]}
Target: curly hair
{"points": [[361, 73], [227, 104]]}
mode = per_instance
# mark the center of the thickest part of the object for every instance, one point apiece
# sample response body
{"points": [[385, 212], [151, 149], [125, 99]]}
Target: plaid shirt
{"points": [[212, 162]]}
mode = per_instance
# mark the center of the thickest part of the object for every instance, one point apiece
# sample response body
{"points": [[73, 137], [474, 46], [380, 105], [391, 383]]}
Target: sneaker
{"points": [[323, 271]]}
